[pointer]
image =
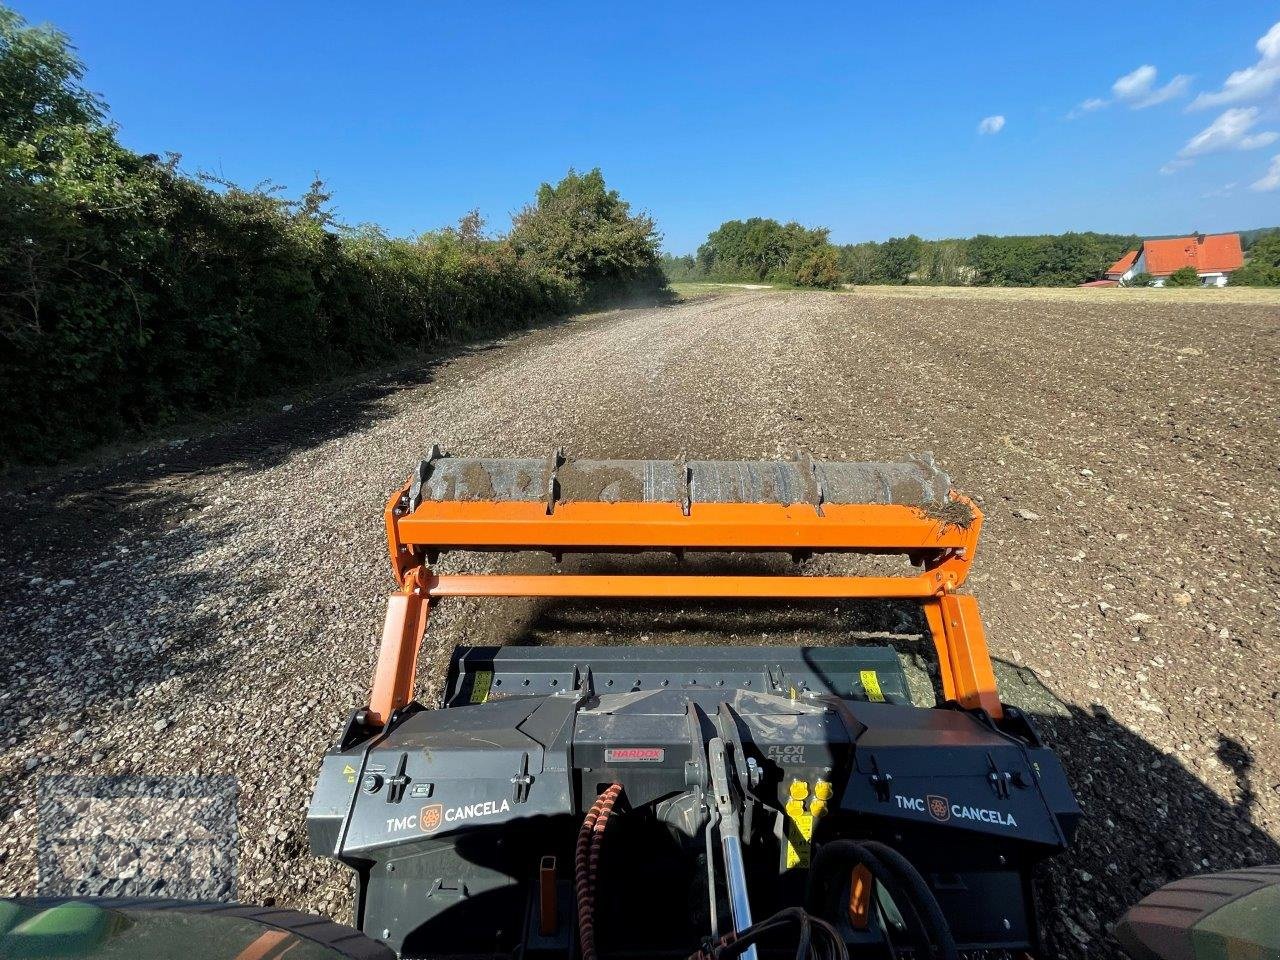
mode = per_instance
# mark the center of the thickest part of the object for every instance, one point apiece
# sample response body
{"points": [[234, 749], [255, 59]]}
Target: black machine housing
{"points": [[450, 818]]}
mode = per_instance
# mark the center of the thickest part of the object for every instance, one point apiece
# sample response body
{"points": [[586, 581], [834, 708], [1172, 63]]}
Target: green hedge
{"points": [[131, 294]]}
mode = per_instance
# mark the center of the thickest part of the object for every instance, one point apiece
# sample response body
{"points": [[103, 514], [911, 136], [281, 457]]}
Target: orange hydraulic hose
{"points": [[586, 861]]}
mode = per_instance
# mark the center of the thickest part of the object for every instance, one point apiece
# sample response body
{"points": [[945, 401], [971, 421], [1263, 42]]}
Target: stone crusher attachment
{"points": [[666, 801]]}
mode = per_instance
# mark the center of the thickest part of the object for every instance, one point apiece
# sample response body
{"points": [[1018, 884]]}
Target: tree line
{"points": [[764, 250], [1262, 259], [132, 294]]}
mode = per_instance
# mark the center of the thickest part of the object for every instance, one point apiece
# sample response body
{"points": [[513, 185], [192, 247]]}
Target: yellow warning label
{"points": [[349, 772], [871, 684], [480, 686], [799, 833]]}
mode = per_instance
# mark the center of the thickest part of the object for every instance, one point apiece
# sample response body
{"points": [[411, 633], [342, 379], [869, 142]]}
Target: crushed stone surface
{"points": [[211, 606]]}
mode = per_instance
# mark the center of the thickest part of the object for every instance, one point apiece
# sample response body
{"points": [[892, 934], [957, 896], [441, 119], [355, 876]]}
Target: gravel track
{"points": [[211, 606]]}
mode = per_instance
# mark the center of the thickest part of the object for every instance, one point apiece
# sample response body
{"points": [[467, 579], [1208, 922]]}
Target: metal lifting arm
{"points": [[730, 824]]}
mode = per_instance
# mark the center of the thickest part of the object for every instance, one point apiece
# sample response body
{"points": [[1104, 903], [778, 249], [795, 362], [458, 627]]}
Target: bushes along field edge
{"points": [[132, 295]]}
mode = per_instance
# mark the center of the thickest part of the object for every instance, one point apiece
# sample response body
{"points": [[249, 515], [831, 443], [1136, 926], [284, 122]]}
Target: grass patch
{"points": [[697, 289]]}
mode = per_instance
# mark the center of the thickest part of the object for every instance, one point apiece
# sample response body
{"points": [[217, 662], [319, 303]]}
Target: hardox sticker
{"points": [[634, 754]]}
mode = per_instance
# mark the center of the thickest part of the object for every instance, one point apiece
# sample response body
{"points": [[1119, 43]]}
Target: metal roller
{"points": [[916, 481]]}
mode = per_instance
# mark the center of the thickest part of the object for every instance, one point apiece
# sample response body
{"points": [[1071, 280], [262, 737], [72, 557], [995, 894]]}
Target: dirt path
{"points": [[212, 606]]}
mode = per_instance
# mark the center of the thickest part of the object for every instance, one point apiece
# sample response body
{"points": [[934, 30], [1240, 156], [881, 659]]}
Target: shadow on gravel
{"points": [[101, 602], [1148, 819], [73, 660], [98, 604]]}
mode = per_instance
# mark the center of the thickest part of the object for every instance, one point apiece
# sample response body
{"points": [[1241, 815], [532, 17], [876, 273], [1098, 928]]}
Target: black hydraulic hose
{"points": [[926, 902], [825, 861], [828, 945], [925, 923], [834, 862]]}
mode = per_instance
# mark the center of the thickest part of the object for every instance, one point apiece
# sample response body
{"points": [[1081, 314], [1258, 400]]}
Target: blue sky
{"points": [[863, 118]]}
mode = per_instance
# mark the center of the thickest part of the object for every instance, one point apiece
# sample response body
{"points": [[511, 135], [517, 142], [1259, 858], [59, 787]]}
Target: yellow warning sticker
{"points": [[871, 684], [480, 686], [349, 772], [799, 834]]}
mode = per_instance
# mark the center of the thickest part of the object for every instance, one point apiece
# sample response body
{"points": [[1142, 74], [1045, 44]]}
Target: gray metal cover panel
{"points": [[523, 671]]}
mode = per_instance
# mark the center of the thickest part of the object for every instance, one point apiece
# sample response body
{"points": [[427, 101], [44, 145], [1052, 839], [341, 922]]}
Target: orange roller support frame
{"points": [[942, 544]]}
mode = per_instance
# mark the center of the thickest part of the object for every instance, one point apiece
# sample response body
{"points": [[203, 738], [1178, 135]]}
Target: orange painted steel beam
{"points": [[945, 550], [396, 673], [741, 587], [963, 658], [659, 526], [402, 557]]}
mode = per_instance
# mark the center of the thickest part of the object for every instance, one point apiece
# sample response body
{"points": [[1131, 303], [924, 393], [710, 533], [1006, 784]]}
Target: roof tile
{"points": [[1213, 253], [1123, 264]]}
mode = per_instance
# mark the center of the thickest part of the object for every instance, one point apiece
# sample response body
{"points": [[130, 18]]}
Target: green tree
{"points": [[1139, 280], [899, 258], [582, 231], [761, 249], [1183, 277], [1062, 260], [73, 242], [682, 268], [1068, 260], [949, 263], [40, 84], [819, 268], [1262, 269], [860, 262]]}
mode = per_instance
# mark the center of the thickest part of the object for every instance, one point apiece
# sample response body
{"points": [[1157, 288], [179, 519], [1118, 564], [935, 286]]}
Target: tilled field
{"points": [[212, 606]]}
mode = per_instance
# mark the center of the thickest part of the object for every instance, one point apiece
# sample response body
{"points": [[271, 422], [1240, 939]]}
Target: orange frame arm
{"points": [[945, 550]]}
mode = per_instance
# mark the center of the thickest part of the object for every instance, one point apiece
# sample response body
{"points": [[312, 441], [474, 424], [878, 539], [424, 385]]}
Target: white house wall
{"points": [[1138, 267]]}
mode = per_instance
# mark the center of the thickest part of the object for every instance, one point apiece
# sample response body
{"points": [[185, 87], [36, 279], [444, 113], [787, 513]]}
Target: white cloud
{"points": [[1138, 89], [1174, 88], [1090, 105], [1229, 132], [1269, 43], [1271, 179], [1251, 83], [1136, 83], [991, 124], [1173, 166], [1223, 191]]}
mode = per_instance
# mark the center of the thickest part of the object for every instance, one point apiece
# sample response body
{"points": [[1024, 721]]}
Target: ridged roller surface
{"points": [[916, 481]]}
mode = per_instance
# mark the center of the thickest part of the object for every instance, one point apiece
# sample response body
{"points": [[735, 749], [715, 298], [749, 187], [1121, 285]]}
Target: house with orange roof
{"points": [[1213, 256], [1122, 269]]}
